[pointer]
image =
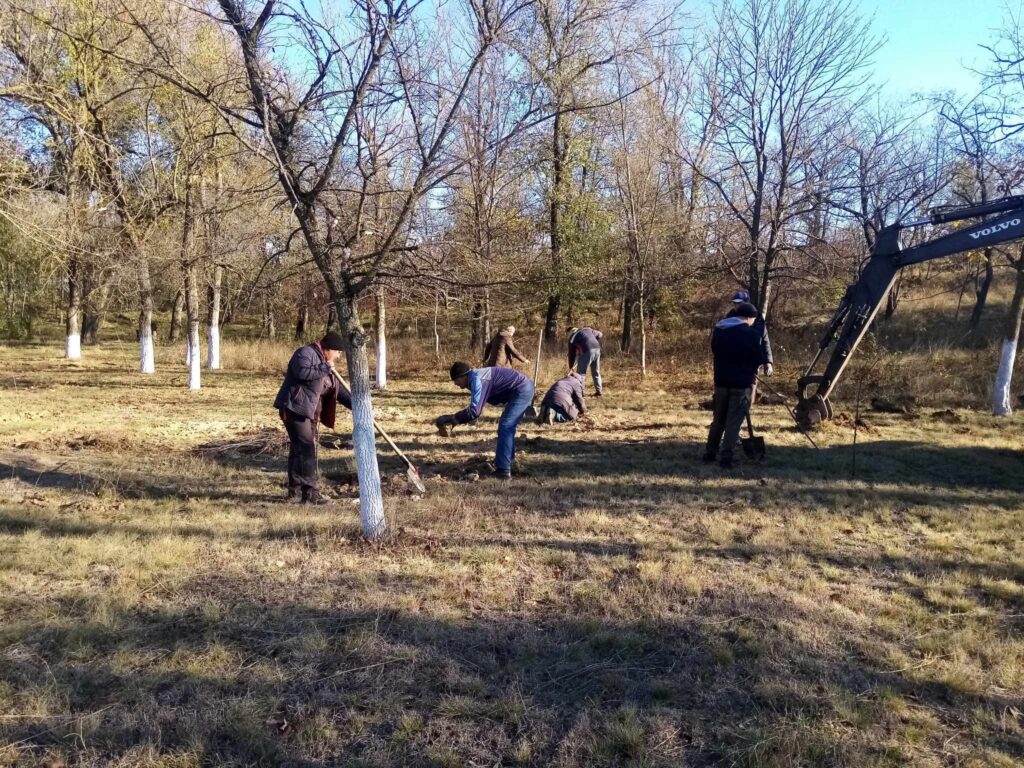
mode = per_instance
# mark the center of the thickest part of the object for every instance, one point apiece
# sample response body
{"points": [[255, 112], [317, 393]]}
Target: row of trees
{"points": [[551, 156]]}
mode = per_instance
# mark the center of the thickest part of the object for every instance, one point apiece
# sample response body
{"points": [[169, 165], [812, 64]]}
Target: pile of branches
{"points": [[267, 440]]}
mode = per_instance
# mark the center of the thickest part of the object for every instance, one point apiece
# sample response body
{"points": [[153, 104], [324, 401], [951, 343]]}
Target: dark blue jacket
{"points": [[737, 352], [307, 379], [762, 327], [496, 386]]}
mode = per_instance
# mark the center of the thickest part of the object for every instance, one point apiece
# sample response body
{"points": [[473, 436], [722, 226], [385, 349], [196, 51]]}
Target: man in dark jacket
{"points": [[500, 351], [564, 402], [310, 394], [497, 386], [736, 347], [585, 352], [741, 297]]}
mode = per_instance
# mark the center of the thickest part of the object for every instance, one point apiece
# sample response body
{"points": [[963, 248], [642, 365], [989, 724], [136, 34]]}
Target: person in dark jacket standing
{"points": [[585, 352], [500, 351], [737, 351], [742, 297], [497, 386], [309, 395], [564, 402]]}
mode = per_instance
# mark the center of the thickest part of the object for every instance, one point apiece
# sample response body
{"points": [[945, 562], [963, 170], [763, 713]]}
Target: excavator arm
{"points": [[860, 304]]}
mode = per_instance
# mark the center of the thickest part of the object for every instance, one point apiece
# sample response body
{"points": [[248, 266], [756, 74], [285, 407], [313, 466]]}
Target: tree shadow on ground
{"points": [[245, 681]]}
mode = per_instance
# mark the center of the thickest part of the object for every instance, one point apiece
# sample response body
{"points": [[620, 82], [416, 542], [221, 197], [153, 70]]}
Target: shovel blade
{"points": [[415, 479], [753, 447]]}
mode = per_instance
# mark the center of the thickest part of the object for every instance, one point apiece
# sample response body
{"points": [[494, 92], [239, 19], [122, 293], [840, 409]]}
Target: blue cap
{"points": [[740, 296]]}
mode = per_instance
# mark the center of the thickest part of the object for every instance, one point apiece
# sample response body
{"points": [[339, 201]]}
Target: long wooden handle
{"points": [[377, 426], [540, 349]]}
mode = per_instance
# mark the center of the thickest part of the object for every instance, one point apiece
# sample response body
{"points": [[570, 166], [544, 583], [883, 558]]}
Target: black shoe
{"points": [[725, 463], [709, 458], [316, 498], [503, 474], [294, 496], [599, 394]]}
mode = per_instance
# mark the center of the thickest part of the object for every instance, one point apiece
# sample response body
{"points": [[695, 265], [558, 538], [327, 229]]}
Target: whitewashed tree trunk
{"points": [[73, 348], [364, 440], [213, 321], [194, 378], [382, 344], [1002, 401], [643, 328], [437, 336], [147, 360]]}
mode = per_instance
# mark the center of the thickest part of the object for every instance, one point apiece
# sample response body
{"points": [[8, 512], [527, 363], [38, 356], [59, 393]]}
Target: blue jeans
{"points": [[591, 358], [510, 418]]}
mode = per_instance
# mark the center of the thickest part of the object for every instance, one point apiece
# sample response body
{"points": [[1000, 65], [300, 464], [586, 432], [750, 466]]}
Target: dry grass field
{"points": [[618, 603]]}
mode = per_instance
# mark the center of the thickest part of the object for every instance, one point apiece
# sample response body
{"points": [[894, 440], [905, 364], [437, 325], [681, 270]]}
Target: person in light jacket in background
{"points": [[309, 394], [501, 352], [496, 386], [737, 351], [585, 352]]}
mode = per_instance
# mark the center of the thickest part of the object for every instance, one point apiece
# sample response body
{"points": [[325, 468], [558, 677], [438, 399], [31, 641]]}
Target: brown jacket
{"points": [[501, 352]]}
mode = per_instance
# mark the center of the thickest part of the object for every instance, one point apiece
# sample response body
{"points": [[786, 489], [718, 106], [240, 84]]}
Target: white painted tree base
{"points": [[194, 378], [1002, 403], [213, 348], [73, 348], [382, 365], [147, 360]]}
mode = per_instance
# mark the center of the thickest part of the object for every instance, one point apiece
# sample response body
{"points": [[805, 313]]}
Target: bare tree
{"points": [[790, 72]]}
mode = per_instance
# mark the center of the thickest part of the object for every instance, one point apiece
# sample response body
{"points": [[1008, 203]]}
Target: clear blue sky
{"points": [[929, 42]]}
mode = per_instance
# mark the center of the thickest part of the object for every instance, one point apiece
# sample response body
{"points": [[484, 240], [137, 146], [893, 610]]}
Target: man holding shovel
{"points": [[309, 394], [584, 353], [497, 386], [738, 352]]}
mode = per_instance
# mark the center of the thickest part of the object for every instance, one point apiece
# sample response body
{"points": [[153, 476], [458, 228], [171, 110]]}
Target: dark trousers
{"points": [[730, 408], [302, 437]]}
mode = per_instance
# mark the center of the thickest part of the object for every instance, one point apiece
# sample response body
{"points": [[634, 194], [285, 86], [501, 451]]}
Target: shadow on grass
{"points": [[246, 681]]}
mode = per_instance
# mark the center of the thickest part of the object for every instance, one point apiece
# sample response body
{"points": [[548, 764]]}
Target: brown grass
{"points": [[617, 604]]}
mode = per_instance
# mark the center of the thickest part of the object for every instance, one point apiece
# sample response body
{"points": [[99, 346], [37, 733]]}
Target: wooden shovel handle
{"points": [[377, 426]]}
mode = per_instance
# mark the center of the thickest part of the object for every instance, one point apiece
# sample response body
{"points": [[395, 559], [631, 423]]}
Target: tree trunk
{"points": [[437, 336], [628, 308], [73, 346], [179, 304], [643, 328], [331, 321], [95, 300], [981, 292], [213, 319], [364, 441], [188, 268], [555, 213], [551, 319], [1002, 404], [476, 324], [147, 362], [192, 314], [485, 335], [302, 316], [382, 344], [269, 326]]}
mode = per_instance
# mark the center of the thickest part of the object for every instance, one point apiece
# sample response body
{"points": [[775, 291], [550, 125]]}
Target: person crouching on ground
{"points": [[737, 351], [564, 402], [309, 395], [497, 386]]}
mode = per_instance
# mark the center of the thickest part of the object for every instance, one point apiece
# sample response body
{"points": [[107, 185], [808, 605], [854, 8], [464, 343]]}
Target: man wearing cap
{"points": [[309, 394], [585, 352], [737, 351], [761, 326], [497, 386], [500, 351], [564, 402]]}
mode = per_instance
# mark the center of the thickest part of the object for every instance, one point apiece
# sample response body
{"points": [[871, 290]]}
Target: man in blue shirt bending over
{"points": [[497, 386]]}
